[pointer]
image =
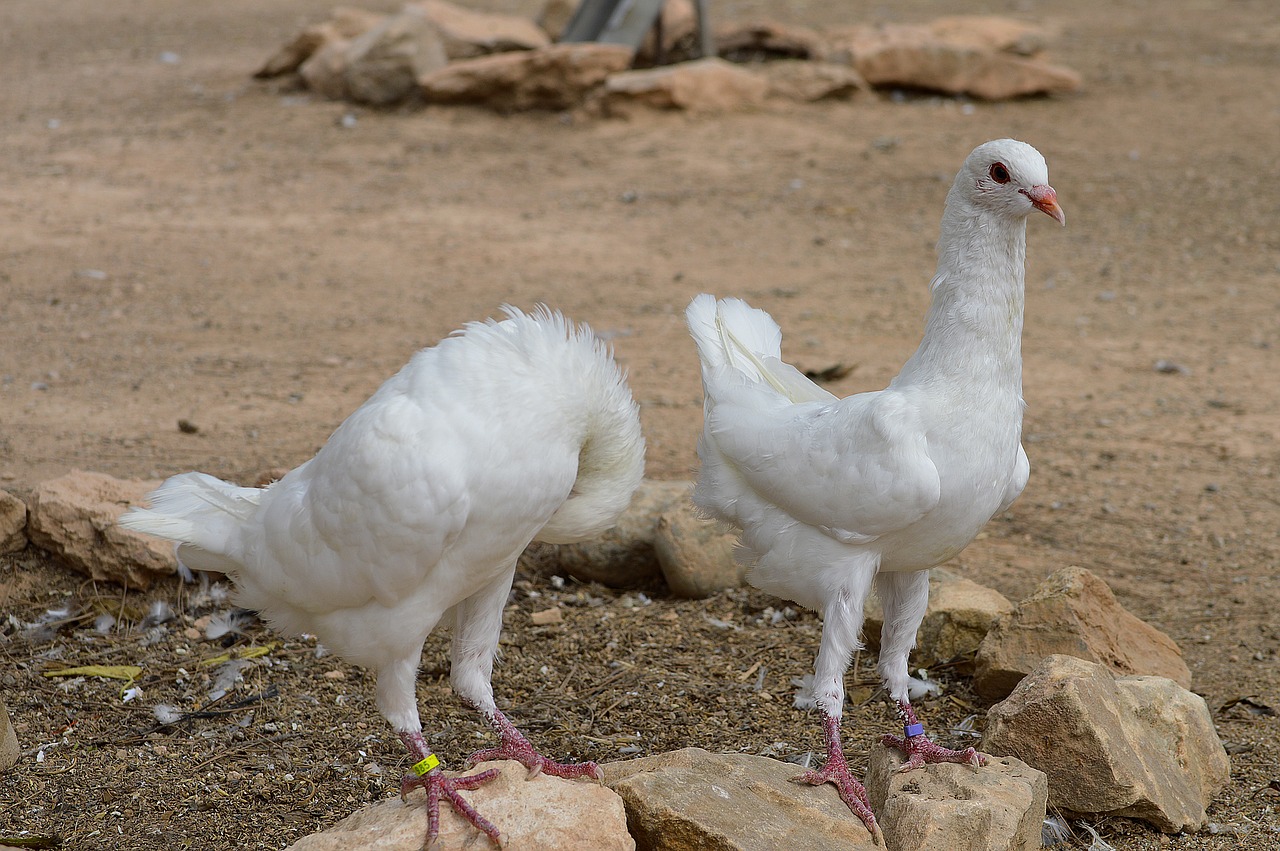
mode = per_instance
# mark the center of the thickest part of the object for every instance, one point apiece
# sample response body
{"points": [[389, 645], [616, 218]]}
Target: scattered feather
{"points": [[922, 686], [1054, 831], [166, 714], [228, 623], [103, 623], [1098, 843], [160, 612]]}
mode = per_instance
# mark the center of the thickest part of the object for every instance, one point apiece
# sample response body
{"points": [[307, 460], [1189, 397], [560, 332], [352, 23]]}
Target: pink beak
{"points": [[1044, 199]]}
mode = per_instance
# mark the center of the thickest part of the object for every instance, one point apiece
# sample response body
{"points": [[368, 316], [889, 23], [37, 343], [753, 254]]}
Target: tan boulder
{"points": [[343, 25], [74, 519], [696, 555], [810, 81], [999, 806], [555, 77], [1137, 747], [541, 813], [990, 32], [383, 64], [692, 800], [13, 523], [960, 614], [1073, 612], [467, 33], [705, 85]]}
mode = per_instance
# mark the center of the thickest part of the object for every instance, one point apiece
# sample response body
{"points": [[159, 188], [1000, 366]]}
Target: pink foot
{"points": [[920, 750], [437, 786], [836, 771], [515, 746]]}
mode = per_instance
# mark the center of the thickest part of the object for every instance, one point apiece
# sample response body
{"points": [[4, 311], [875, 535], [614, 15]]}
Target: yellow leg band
{"points": [[427, 764]]}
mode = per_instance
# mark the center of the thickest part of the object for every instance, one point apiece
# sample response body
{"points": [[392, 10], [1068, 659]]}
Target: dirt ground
{"points": [[182, 242]]}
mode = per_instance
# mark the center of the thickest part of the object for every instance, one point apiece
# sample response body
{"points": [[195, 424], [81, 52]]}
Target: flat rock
{"points": [[950, 807], [74, 519], [13, 523], [990, 32], [960, 614], [343, 25], [914, 57], [1138, 747], [623, 557], [382, 65], [692, 800], [810, 81], [696, 555], [1073, 612], [705, 85], [9, 751], [542, 813], [555, 77], [467, 33]]}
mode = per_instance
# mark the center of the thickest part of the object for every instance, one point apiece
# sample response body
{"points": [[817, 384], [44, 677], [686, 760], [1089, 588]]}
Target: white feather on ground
{"points": [[417, 508], [833, 494]]}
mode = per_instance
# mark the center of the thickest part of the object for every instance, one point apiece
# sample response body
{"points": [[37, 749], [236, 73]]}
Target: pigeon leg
{"points": [[836, 771], [920, 749], [515, 746], [437, 786]]}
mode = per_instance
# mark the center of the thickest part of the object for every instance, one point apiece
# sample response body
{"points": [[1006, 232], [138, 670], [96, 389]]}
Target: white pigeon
{"points": [[417, 508], [832, 494]]}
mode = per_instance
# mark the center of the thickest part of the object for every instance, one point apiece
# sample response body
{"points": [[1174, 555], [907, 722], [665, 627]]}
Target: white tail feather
{"points": [[203, 514]]}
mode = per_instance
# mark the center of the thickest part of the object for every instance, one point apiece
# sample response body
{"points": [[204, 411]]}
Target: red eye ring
{"points": [[999, 173]]}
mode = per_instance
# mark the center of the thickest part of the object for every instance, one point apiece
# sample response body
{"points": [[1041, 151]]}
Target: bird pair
{"points": [[420, 503]]}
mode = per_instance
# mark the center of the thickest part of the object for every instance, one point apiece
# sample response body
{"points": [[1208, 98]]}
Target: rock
{"points": [[753, 41], [913, 57], [812, 81], [343, 25], [555, 16], [959, 616], [951, 807], [324, 72], [9, 750], [624, 556], [74, 519], [1073, 612], [692, 800], [705, 85], [696, 555], [1138, 747], [990, 32], [467, 33], [13, 523], [542, 813], [383, 65], [555, 77]]}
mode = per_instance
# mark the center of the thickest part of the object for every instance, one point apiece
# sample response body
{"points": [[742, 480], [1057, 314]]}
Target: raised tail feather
{"points": [[732, 333], [203, 514]]}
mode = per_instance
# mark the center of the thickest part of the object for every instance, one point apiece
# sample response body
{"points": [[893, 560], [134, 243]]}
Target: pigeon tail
{"points": [[203, 514]]}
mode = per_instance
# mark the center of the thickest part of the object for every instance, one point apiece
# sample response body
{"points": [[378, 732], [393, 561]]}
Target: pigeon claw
{"points": [[515, 746], [438, 786], [921, 751], [853, 793]]}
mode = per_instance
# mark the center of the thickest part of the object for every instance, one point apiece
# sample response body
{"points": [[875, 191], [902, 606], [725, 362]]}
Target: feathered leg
{"points": [[475, 643], [841, 623], [905, 597]]}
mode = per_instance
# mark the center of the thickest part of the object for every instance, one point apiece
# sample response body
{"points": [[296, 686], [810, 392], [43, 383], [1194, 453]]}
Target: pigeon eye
{"points": [[999, 173]]}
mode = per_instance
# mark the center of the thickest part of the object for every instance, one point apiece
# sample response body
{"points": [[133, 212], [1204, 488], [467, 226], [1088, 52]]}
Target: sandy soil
{"points": [[182, 242]]}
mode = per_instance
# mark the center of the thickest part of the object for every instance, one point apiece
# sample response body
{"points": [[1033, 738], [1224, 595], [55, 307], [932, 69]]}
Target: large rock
{"points": [[383, 65], [74, 519], [1139, 747], [696, 555], [757, 40], [13, 523], [467, 33], [692, 800], [9, 751], [1073, 612], [542, 813], [915, 57], [810, 81], [960, 614], [997, 807], [343, 25], [705, 85], [555, 77], [624, 556], [990, 32]]}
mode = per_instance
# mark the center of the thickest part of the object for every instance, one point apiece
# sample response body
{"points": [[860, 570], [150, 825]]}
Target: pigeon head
{"points": [[1009, 178]]}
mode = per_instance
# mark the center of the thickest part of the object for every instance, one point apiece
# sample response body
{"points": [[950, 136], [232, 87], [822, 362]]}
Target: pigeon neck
{"points": [[973, 330]]}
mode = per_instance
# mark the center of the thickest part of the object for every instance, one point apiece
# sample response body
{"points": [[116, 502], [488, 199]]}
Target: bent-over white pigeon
{"points": [[832, 494], [417, 508]]}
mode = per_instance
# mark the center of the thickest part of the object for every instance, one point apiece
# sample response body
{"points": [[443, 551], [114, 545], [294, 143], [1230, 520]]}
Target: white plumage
{"points": [[418, 507], [833, 494]]}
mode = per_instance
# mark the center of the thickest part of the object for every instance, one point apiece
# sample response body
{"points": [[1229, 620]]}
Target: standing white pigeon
{"points": [[833, 494], [418, 507]]}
